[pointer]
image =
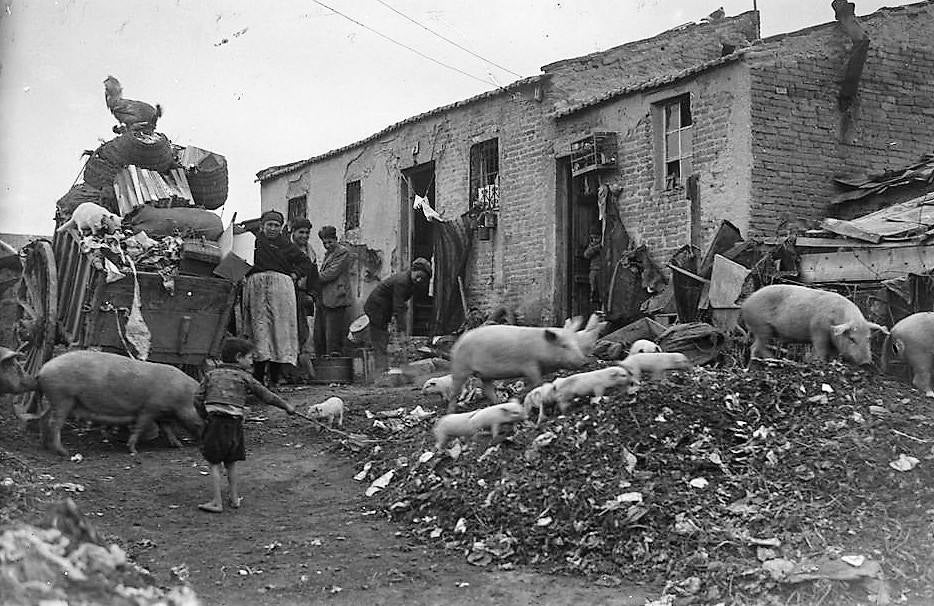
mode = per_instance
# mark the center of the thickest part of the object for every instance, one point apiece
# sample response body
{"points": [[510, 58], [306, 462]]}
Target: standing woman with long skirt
{"points": [[269, 299]]}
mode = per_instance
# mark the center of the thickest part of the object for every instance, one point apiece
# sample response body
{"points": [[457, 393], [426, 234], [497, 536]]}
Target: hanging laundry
{"points": [[422, 204], [137, 333]]}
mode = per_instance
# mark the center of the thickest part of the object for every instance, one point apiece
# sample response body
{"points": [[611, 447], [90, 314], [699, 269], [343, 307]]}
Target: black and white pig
{"points": [[828, 321], [114, 389], [504, 352]]}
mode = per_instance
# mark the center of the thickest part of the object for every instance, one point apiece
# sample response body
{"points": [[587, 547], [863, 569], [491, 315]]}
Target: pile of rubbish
{"points": [[63, 560], [724, 486], [162, 193]]}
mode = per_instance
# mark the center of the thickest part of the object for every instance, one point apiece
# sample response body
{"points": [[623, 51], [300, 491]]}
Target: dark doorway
{"points": [[578, 217], [418, 240]]}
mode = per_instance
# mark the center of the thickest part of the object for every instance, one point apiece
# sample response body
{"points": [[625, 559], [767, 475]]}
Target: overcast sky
{"points": [[267, 83]]}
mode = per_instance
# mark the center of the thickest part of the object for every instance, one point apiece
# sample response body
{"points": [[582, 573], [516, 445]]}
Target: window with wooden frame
{"points": [[352, 206], [677, 123], [298, 208], [484, 174]]}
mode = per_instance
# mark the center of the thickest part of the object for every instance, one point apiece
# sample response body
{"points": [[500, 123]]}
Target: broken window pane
{"points": [[672, 117], [685, 105]]}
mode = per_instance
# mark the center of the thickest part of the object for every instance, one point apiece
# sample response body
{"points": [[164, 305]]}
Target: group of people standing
{"points": [[287, 285]]}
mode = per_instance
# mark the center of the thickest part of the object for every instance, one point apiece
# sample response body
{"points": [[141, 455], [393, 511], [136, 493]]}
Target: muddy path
{"points": [[305, 534]]}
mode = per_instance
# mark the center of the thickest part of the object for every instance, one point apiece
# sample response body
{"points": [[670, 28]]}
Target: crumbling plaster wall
{"points": [[516, 265], [801, 140], [659, 218]]}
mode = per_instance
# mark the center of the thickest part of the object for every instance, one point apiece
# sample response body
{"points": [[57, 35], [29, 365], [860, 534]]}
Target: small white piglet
{"points": [[593, 383], [439, 385], [93, 218], [538, 397], [466, 424], [655, 363], [644, 346], [330, 410]]}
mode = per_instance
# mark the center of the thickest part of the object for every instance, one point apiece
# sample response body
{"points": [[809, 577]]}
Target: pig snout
{"points": [[13, 379]]}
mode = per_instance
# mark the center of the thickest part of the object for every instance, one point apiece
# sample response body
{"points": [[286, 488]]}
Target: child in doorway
{"points": [[221, 401], [592, 253]]}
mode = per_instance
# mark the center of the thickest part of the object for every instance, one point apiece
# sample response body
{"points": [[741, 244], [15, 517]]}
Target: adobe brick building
{"points": [[710, 122]]}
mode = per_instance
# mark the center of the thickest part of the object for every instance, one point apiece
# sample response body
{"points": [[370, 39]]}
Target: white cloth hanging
{"points": [[422, 204]]}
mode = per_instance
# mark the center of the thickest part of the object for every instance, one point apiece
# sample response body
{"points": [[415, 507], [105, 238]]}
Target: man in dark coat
{"points": [[334, 276], [388, 299]]}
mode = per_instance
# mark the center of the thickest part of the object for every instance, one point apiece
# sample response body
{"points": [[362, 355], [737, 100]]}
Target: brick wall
{"points": [[670, 52], [659, 218], [802, 140]]}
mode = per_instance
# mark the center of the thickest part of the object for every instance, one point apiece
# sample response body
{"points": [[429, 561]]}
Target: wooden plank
{"points": [[845, 228], [134, 178], [865, 264], [182, 180], [161, 187], [145, 184], [843, 243]]}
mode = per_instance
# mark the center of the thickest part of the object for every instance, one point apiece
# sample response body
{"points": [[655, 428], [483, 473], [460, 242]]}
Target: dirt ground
{"points": [[305, 534]]}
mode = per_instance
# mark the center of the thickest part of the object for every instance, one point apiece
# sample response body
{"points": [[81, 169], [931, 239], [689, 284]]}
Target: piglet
{"points": [[440, 386], [329, 411], [912, 340], [539, 397], [115, 389], [593, 383], [93, 218], [644, 346], [466, 424], [654, 363], [504, 352]]}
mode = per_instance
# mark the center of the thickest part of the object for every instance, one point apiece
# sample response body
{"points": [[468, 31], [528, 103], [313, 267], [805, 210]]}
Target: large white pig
{"points": [[114, 389], [798, 314], [587, 337], [504, 352], [466, 424], [13, 379], [593, 383], [912, 340]]}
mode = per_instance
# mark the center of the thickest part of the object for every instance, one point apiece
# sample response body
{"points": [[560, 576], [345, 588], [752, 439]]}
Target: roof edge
{"points": [[275, 171]]}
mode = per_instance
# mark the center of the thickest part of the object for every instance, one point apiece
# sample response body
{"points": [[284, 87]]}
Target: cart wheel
{"points": [[37, 317]]}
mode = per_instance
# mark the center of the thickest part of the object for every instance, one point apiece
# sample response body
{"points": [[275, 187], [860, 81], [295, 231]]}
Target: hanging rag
{"points": [[452, 245], [137, 333], [421, 203]]}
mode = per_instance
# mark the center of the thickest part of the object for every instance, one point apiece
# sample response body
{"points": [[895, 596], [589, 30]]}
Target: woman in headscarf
{"points": [[269, 299], [388, 300]]}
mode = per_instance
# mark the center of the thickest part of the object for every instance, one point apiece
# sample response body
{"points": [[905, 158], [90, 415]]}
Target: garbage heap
{"points": [[164, 194], [63, 560], [724, 485]]}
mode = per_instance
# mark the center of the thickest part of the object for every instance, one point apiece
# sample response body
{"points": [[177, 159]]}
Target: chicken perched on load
{"points": [[133, 116]]}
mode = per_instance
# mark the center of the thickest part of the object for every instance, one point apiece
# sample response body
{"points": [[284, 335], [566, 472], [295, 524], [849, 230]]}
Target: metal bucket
{"points": [[359, 330], [338, 369]]}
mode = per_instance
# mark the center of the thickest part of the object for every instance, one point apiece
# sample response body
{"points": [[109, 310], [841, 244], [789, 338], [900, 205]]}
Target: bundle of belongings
{"points": [[145, 204]]}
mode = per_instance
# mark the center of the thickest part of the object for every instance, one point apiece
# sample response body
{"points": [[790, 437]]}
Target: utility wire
{"points": [[417, 52], [448, 40]]}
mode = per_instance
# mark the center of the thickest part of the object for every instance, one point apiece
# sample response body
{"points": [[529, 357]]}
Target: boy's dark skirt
{"points": [[222, 439]]}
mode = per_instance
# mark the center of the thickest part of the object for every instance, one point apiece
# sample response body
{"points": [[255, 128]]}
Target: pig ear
{"points": [[592, 322], [879, 327], [576, 323], [550, 335], [839, 329], [9, 354]]}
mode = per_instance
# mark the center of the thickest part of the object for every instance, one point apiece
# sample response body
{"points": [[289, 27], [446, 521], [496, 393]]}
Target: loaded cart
{"points": [[64, 298]]}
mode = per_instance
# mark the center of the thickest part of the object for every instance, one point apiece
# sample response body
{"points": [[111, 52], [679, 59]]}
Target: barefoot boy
{"points": [[221, 401]]}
